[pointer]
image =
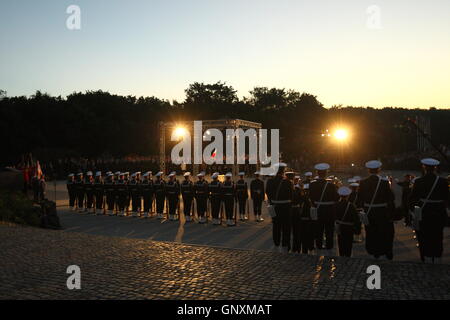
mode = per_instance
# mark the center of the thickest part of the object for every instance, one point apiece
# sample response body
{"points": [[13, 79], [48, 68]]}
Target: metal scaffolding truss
{"points": [[206, 124]]}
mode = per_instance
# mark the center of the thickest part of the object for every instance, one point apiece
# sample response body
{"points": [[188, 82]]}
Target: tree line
{"points": [[100, 124]]}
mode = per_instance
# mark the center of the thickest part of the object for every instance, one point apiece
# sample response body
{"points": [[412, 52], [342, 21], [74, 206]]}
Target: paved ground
{"points": [[247, 235], [33, 265]]}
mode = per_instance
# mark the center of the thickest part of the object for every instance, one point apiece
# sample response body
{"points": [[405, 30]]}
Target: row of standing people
{"points": [[116, 193], [307, 215]]}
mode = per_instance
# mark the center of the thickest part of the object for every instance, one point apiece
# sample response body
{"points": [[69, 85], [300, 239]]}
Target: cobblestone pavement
{"points": [[33, 265]]}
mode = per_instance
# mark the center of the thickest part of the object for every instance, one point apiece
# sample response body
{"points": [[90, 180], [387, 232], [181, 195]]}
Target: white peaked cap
{"points": [[146, 174], [322, 166], [228, 174], [281, 165], [257, 173], [351, 180], [297, 177], [133, 175], [172, 174], [306, 186], [127, 173], [186, 174], [357, 178], [373, 164], [110, 174], [344, 191], [70, 175], [89, 173], [354, 184], [289, 172], [215, 175], [430, 162], [241, 173], [201, 174], [98, 173], [308, 174], [117, 173], [159, 174]]}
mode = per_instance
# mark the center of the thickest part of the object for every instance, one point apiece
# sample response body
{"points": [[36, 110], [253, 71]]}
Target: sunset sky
{"points": [[322, 47]]}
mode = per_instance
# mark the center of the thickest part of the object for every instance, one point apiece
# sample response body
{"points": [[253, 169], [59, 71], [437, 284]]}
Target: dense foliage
{"points": [[97, 123]]}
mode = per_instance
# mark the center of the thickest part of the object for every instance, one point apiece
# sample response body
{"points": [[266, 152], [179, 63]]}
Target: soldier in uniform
{"points": [[187, 193], [216, 198], [377, 199], [228, 196], [280, 192], [79, 189], [110, 193], [89, 190], [296, 211], [126, 179], [122, 195], [257, 196], [346, 221], [242, 195], [306, 225], [147, 193], [324, 196], [99, 192], [134, 189], [159, 188], [116, 192], [353, 198], [201, 196], [173, 195], [430, 195], [70, 184]]}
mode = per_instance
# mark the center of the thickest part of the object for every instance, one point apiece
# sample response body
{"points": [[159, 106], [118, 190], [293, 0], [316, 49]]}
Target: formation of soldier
{"points": [[123, 194], [307, 212]]}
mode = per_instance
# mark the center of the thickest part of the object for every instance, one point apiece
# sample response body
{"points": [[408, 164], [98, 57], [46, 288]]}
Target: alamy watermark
{"points": [[214, 152], [73, 21]]}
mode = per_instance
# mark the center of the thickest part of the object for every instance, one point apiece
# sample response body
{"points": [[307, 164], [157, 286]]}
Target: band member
{"points": [[98, 192], [201, 196], [280, 191], [79, 188], [306, 225], [308, 178], [134, 189], [110, 193], [126, 179], [116, 193], [228, 196], [122, 195], [214, 189], [346, 221], [89, 189], [324, 196], [159, 188], [242, 195], [377, 200], [406, 186], [429, 197], [187, 193], [353, 198], [296, 211], [257, 196], [70, 184], [147, 193], [173, 195]]}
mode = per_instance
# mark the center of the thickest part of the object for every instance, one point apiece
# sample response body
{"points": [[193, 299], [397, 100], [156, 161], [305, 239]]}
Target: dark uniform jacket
{"points": [[257, 189], [280, 190], [215, 188], [187, 188], [172, 188], [436, 205], [384, 196], [147, 187], [201, 189], [326, 206]]}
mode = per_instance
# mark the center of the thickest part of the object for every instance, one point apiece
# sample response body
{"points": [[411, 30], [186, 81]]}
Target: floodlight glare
{"points": [[180, 132], [341, 134]]}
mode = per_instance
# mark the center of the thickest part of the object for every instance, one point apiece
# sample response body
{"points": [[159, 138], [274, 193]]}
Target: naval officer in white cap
{"points": [[323, 195], [430, 196], [376, 198]]}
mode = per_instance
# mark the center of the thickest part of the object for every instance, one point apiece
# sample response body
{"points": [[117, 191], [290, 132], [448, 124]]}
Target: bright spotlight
{"points": [[179, 132], [341, 134]]}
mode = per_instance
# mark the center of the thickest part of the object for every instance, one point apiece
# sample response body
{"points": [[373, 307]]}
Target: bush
{"points": [[17, 208]]}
